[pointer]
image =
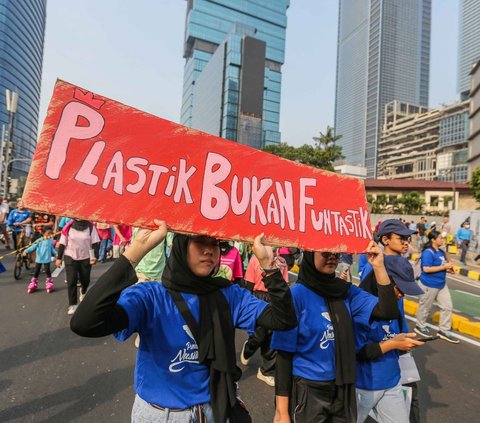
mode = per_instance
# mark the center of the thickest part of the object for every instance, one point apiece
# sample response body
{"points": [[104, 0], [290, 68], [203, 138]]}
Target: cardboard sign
{"points": [[100, 160]]}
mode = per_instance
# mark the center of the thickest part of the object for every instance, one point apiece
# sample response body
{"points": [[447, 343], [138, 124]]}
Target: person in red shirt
{"points": [[261, 337]]}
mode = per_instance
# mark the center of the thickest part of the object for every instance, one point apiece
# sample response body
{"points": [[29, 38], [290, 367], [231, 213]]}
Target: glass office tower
{"points": [[234, 51], [468, 44], [383, 55], [22, 33]]}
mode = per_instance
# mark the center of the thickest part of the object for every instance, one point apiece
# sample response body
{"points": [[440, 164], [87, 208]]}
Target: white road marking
{"points": [[467, 293], [475, 285]]}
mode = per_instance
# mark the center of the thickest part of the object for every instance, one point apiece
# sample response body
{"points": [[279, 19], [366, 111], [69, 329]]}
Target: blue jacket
{"points": [[45, 250], [16, 216], [463, 234]]}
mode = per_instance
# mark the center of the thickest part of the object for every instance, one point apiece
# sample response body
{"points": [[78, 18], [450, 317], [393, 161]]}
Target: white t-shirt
{"points": [[4, 209]]}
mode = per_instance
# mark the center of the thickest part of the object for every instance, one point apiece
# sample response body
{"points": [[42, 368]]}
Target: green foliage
{"points": [[411, 202], [475, 183], [321, 155]]}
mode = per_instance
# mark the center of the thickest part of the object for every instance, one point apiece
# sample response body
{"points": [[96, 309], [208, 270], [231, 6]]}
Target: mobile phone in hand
{"points": [[429, 338]]}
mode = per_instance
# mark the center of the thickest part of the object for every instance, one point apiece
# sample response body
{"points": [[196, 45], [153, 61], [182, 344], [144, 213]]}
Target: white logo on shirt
{"points": [[388, 334], [189, 354], [328, 335]]}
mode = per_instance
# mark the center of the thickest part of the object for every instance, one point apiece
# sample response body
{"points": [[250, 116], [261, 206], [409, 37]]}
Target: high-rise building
{"points": [[234, 51], [468, 43], [383, 55], [22, 33]]}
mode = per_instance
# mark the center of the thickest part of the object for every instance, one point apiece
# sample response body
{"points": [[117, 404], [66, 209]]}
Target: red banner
{"points": [[101, 160]]}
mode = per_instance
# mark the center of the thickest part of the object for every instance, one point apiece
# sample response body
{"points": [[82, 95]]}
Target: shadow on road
{"points": [[80, 399], [47, 344]]}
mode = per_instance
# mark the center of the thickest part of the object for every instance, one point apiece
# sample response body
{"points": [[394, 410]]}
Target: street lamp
{"points": [[12, 101]]}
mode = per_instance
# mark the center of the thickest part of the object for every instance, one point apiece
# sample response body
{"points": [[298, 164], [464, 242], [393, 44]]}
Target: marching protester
{"points": [[379, 388], [186, 366], [261, 337], [78, 248], [315, 376], [104, 233], [433, 278], [122, 235], [45, 250]]}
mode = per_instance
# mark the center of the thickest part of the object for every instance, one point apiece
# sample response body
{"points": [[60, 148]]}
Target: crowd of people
{"points": [[333, 351]]}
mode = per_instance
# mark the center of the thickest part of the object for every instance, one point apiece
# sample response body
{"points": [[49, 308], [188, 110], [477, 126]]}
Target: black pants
{"points": [[415, 406], [261, 338], [464, 248], [74, 268], [316, 402], [46, 267]]}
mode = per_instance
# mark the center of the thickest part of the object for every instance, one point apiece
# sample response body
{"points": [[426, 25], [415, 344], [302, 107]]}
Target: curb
{"points": [[459, 323]]}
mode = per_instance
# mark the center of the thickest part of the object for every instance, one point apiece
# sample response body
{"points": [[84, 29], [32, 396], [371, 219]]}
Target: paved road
{"points": [[48, 374]]}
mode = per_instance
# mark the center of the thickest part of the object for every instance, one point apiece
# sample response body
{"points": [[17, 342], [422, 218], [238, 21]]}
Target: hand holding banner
{"points": [[100, 160]]}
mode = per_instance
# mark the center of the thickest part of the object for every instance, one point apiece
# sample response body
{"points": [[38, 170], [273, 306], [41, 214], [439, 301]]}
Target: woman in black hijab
{"points": [[315, 377], [186, 362]]}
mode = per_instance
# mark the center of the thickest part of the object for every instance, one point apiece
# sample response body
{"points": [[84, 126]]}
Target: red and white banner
{"points": [[101, 160]]}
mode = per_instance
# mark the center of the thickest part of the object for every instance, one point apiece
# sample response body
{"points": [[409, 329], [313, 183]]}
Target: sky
{"points": [[132, 52]]}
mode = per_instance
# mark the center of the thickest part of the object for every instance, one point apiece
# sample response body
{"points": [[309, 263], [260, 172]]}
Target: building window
{"points": [[434, 200]]}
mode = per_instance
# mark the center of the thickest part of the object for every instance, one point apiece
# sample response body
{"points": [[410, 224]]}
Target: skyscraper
{"points": [[234, 51], [383, 55], [468, 44], [22, 33]]}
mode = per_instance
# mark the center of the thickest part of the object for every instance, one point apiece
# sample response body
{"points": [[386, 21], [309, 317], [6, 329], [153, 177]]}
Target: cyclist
{"points": [[16, 219]]}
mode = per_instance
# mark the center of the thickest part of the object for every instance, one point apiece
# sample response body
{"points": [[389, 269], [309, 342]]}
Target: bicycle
{"points": [[20, 260]]}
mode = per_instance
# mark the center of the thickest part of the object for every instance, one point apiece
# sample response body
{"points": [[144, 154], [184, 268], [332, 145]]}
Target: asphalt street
{"points": [[48, 374]]}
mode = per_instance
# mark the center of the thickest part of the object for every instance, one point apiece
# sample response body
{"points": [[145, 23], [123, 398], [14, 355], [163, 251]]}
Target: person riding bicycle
{"points": [[41, 222], [16, 219]]}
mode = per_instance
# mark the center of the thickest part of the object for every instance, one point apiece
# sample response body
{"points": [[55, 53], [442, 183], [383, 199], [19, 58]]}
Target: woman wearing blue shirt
{"points": [[434, 280], [315, 377], [186, 363]]}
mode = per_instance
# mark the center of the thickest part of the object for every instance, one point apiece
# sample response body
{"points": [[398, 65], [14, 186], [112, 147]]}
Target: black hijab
{"points": [[81, 225], [335, 290], [216, 343]]}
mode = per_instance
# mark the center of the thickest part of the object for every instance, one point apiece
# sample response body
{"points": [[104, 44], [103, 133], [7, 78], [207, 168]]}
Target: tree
{"points": [[475, 183], [322, 155], [411, 202]]}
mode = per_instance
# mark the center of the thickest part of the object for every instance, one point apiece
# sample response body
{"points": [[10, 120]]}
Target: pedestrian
{"points": [[463, 237], [378, 344], [44, 249], [104, 233], [315, 376], [4, 209], [345, 264], [230, 257], [78, 249], [445, 227], [434, 282], [421, 228], [121, 239], [260, 338], [186, 365]]}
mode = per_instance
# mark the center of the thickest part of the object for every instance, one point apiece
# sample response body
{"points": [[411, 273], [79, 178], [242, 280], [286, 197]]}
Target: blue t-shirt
{"points": [[167, 371], [17, 216], [383, 372], [430, 258], [362, 262], [45, 250], [312, 341]]}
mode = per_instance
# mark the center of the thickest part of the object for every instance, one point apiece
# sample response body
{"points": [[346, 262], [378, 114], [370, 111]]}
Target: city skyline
{"points": [[383, 55], [135, 56], [21, 59]]}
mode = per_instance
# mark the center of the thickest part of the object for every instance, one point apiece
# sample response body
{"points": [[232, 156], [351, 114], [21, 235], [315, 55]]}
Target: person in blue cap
{"points": [[379, 344], [315, 374]]}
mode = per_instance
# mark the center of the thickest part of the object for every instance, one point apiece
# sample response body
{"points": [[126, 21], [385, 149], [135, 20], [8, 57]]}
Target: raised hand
{"points": [[264, 253], [145, 241], [374, 254]]}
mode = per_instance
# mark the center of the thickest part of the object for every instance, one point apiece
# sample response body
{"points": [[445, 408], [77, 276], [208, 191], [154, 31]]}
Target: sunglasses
{"points": [[404, 238], [328, 254]]}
